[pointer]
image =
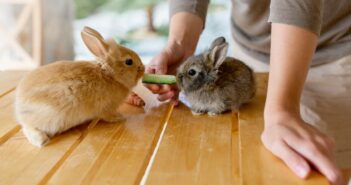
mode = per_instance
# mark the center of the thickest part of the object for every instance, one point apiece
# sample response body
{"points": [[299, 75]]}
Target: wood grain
{"points": [[257, 164], [8, 125], [22, 163], [235, 150], [194, 150], [9, 80], [37, 33], [115, 153]]}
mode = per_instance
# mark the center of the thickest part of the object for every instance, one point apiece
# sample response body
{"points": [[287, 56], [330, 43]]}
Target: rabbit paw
{"points": [[114, 118], [36, 137], [213, 113], [197, 112], [134, 99]]}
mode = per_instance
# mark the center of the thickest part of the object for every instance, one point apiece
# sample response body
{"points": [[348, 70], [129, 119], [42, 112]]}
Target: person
{"points": [[307, 45]]}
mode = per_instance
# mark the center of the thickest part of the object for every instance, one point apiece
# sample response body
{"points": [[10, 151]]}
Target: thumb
{"points": [[161, 68], [161, 64], [157, 68], [158, 65]]}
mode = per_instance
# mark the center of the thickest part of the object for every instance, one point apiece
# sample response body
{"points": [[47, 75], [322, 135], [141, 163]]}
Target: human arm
{"points": [[186, 25], [285, 133], [185, 29]]}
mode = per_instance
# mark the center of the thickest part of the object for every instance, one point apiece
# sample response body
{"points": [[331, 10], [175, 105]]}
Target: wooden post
{"points": [[24, 59], [37, 32]]}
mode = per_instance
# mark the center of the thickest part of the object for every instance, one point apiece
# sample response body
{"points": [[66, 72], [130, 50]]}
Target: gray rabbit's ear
{"points": [[95, 42], [218, 52], [218, 41]]}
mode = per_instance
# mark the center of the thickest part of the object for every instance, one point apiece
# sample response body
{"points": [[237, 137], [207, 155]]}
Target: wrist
{"points": [[178, 51], [184, 32], [280, 114], [181, 48]]}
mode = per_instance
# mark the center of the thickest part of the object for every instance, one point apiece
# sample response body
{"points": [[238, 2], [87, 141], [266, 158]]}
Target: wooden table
{"points": [[158, 145]]}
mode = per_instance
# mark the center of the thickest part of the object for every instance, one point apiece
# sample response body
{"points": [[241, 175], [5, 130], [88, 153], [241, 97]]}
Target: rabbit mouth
{"points": [[141, 70], [139, 75], [180, 78]]}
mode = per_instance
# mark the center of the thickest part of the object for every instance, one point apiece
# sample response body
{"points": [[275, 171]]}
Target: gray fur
{"points": [[221, 83]]}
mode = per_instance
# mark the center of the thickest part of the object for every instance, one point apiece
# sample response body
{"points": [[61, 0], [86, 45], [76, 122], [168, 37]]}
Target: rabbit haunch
{"points": [[64, 94], [214, 83]]}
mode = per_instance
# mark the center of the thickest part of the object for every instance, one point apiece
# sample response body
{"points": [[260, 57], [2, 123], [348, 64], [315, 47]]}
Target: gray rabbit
{"points": [[214, 83]]}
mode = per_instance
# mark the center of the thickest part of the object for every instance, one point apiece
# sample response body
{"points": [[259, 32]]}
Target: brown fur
{"points": [[64, 94], [214, 83]]}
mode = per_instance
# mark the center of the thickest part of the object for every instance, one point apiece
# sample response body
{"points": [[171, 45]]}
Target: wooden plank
{"points": [[115, 153], [37, 33], [22, 20], [235, 150], [257, 164], [194, 150], [8, 126], [9, 80], [23, 163]]}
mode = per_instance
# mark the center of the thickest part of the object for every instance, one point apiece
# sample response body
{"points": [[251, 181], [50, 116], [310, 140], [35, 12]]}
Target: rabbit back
{"points": [[236, 82]]}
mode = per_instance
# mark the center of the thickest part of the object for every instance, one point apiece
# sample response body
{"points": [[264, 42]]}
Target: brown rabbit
{"points": [[64, 94]]}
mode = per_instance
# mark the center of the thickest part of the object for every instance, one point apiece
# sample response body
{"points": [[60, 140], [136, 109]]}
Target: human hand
{"points": [[300, 145], [184, 32], [166, 63]]}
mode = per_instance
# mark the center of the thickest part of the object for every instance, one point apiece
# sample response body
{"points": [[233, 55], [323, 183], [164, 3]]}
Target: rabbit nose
{"points": [[141, 68]]}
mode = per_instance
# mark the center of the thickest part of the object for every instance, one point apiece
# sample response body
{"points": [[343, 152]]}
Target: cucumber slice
{"points": [[159, 79]]}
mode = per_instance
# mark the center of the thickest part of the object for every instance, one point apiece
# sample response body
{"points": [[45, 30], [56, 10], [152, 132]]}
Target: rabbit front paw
{"points": [[213, 113], [197, 112], [114, 118]]}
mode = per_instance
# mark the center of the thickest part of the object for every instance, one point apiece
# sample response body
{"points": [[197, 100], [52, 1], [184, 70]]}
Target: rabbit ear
{"points": [[218, 52], [218, 41], [95, 42]]}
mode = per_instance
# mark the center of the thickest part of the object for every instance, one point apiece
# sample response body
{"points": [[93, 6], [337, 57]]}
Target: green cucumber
{"points": [[159, 79]]}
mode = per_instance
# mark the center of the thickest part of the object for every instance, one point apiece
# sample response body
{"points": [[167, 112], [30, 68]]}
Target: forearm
{"points": [[185, 30], [292, 49]]}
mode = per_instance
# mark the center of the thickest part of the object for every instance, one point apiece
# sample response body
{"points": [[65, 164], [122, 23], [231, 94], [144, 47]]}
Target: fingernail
{"points": [[301, 170]]}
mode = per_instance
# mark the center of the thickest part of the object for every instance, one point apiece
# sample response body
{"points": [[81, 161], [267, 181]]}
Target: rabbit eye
{"points": [[191, 72], [129, 62]]}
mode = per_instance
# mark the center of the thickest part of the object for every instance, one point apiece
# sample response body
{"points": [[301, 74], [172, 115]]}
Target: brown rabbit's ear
{"points": [[218, 52], [95, 42]]}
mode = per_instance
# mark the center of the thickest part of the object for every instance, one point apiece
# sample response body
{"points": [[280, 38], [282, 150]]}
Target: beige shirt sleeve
{"points": [[302, 13], [197, 7]]}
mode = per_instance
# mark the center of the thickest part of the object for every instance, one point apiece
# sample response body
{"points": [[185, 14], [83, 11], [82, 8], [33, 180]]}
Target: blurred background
{"points": [[141, 25]]}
